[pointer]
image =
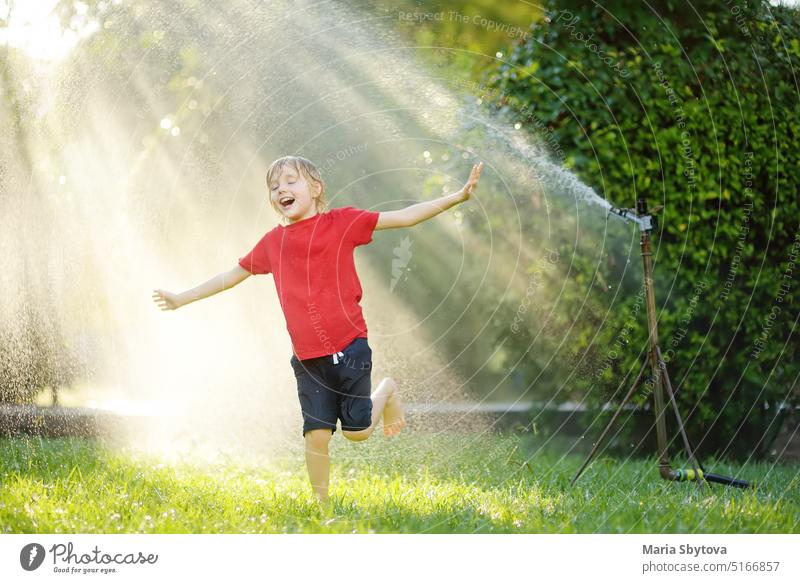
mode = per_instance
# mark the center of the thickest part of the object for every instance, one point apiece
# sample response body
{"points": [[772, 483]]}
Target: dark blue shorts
{"points": [[331, 390]]}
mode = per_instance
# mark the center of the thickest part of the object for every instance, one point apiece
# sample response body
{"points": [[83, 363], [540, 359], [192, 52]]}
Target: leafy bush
{"points": [[693, 108]]}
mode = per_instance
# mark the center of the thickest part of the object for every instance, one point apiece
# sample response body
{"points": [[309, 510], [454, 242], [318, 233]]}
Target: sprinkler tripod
{"points": [[660, 376]]}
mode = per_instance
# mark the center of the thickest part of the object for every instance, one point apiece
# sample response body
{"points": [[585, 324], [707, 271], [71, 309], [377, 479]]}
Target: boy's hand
{"points": [[472, 182], [166, 300]]}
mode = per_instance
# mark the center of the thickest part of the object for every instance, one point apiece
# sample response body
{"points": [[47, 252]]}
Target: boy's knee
{"points": [[357, 435], [318, 438]]}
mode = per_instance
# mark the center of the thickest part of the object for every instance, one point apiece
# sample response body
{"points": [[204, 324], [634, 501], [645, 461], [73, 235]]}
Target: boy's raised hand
{"points": [[166, 300], [472, 182]]}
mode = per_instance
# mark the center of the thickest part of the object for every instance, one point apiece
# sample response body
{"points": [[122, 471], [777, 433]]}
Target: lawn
{"points": [[415, 483]]}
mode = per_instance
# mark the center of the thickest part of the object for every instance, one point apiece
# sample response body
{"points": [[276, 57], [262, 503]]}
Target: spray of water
{"points": [[137, 161]]}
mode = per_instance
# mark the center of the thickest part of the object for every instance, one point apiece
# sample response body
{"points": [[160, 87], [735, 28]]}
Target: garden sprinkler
{"points": [[658, 369]]}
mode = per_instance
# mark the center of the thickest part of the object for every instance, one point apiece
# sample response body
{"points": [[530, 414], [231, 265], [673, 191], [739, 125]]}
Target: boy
{"points": [[311, 259]]}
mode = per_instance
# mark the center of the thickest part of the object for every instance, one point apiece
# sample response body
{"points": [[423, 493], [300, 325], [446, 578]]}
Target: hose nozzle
{"points": [[645, 221]]}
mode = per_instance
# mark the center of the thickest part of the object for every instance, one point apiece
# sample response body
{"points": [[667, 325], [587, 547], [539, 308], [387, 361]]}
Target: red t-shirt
{"points": [[315, 276]]}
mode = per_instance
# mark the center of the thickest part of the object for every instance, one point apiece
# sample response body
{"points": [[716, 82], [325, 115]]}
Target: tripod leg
{"points": [[668, 385], [610, 423]]}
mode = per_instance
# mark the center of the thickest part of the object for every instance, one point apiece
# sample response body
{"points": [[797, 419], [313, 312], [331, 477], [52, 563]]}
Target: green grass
{"points": [[416, 483]]}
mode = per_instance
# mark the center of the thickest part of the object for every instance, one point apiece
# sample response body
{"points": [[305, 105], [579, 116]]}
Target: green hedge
{"points": [[698, 112]]}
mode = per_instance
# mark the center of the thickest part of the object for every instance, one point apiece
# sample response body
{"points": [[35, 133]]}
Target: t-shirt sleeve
{"points": [[257, 261], [357, 224]]}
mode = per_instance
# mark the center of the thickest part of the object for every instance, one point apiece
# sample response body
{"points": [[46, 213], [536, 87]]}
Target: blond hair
{"points": [[302, 166]]}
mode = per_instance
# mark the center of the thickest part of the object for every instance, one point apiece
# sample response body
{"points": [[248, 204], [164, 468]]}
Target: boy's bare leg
{"points": [[318, 462], [394, 418], [386, 403]]}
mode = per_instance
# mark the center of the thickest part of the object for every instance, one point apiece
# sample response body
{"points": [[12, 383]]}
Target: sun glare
{"points": [[33, 27]]}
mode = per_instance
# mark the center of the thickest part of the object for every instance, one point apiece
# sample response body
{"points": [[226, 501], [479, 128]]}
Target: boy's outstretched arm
{"points": [[226, 280], [416, 213]]}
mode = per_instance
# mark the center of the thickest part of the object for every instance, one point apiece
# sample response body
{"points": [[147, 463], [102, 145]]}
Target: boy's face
{"points": [[293, 196]]}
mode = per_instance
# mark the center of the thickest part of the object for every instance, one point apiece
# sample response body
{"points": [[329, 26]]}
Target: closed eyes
{"points": [[274, 186]]}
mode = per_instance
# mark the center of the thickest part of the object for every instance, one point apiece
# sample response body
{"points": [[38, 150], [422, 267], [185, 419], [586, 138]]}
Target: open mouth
{"points": [[286, 201]]}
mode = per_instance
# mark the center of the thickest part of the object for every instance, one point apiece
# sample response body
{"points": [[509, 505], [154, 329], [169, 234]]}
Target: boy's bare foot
{"points": [[393, 414]]}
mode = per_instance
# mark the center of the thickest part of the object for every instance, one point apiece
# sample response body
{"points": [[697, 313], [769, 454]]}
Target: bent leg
{"points": [[318, 462], [386, 403]]}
